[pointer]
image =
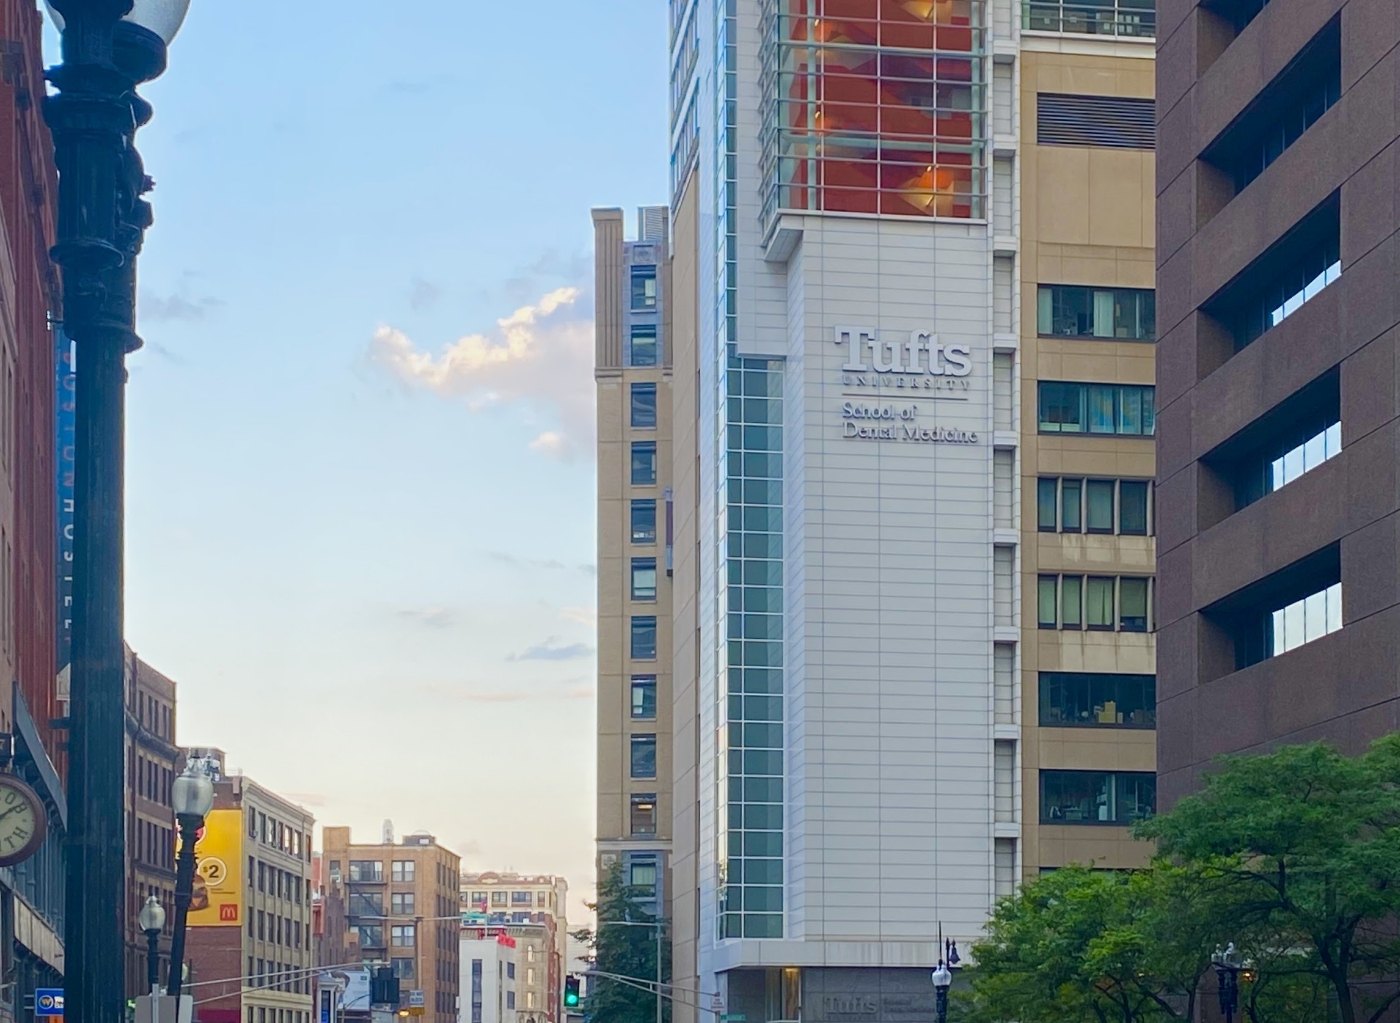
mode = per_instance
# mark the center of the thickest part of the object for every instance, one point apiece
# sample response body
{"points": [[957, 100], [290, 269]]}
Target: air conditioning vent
{"points": [[1109, 122]]}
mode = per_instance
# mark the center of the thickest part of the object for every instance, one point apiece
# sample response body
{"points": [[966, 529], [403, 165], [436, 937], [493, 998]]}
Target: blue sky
{"points": [[360, 509]]}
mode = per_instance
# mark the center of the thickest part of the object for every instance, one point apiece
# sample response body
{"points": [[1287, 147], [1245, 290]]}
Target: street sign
{"points": [[415, 1000], [48, 1001], [734, 1017]]}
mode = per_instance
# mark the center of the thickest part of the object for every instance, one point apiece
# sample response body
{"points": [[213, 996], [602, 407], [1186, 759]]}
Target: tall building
{"points": [[489, 976], [911, 314], [152, 759], [250, 932], [31, 894], [632, 370], [1279, 435], [401, 910], [532, 911]]}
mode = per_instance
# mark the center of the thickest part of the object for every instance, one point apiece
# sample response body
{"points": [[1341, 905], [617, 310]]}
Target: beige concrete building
{"points": [[402, 909], [530, 910], [632, 369], [1087, 337]]}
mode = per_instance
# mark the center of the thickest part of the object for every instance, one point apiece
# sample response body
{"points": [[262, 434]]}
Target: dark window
{"points": [[644, 579], [644, 287], [1127, 410], [403, 968], [643, 818], [1071, 505], [643, 756], [366, 870], [1132, 507], [1097, 797], [643, 347], [1046, 500], [643, 697], [644, 406], [1283, 111], [1113, 122], [1125, 314], [644, 637], [644, 521], [643, 463], [1132, 604]]}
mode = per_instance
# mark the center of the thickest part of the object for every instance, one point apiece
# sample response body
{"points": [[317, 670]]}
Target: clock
{"points": [[23, 822]]}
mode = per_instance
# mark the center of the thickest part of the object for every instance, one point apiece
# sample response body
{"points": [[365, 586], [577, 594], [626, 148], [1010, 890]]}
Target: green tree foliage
{"points": [[1293, 855], [624, 951], [1307, 843]]}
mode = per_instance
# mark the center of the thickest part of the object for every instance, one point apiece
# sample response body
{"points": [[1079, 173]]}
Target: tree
{"points": [[622, 945], [1307, 844]]}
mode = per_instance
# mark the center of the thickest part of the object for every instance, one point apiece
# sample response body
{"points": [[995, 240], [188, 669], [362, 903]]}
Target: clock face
{"points": [[22, 821]]}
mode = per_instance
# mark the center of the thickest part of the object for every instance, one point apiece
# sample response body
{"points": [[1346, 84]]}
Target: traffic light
{"points": [[571, 992]]}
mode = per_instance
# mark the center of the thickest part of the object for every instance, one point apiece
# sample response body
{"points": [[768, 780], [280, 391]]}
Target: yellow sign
{"points": [[218, 878]]}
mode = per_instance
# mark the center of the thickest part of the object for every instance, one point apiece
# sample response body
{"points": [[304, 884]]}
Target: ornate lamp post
{"points": [[151, 920], [109, 48], [193, 796]]}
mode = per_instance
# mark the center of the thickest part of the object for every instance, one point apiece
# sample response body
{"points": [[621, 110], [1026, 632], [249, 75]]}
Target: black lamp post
{"points": [[109, 47], [942, 981], [1228, 964], [193, 797], [151, 920]]}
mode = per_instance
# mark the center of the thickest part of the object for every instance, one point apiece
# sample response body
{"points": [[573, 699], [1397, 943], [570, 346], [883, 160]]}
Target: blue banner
{"points": [[65, 405]]}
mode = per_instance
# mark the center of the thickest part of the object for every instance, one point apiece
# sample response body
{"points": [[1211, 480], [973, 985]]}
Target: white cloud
{"points": [[540, 358]]}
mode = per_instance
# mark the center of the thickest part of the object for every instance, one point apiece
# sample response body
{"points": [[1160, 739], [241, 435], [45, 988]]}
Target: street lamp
{"points": [[109, 48], [151, 920], [193, 798], [942, 981], [1228, 964]]}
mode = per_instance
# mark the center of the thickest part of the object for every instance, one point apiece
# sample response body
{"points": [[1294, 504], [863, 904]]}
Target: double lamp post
{"points": [[109, 48]]}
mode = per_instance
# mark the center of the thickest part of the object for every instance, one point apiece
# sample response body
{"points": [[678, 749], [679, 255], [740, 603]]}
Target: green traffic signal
{"points": [[571, 992]]}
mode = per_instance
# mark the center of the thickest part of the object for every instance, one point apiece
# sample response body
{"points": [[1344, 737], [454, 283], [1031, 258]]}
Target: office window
{"points": [[366, 870], [403, 870], [643, 463], [1098, 602], [1126, 410], [1124, 314], [1281, 280], [1097, 797], [371, 935], [644, 287], [644, 579], [1280, 629], [643, 756], [510, 995], [643, 813], [644, 521], [1072, 505], [520, 899], [401, 904], [1071, 699], [643, 406], [644, 637], [498, 898], [510, 971], [641, 874], [642, 350], [1112, 122], [402, 935], [403, 967], [1132, 18], [1300, 450], [643, 697]]}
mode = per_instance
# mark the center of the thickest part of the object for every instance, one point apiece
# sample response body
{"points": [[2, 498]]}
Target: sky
{"points": [[360, 481]]}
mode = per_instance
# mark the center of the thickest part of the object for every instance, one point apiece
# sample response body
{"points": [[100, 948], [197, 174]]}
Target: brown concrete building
{"points": [[632, 369], [255, 927], [1278, 378], [150, 837], [31, 895], [402, 909]]}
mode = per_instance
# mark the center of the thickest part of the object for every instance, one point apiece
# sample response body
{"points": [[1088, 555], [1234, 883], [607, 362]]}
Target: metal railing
{"points": [[1133, 19]]}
